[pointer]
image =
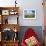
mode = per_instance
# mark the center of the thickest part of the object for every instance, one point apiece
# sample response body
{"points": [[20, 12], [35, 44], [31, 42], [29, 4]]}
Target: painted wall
{"points": [[31, 4]]}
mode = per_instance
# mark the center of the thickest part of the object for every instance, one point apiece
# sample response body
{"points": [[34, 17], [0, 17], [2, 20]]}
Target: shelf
{"points": [[7, 23], [10, 26], [4, 8], [9, 10], [11, 41]]}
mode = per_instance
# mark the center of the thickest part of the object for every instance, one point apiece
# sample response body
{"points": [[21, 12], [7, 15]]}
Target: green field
{"points": [[29, 16]]}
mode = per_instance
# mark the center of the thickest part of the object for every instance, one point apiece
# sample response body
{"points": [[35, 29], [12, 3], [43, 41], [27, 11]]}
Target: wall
{"points": [[33, 4], [6, 3]]}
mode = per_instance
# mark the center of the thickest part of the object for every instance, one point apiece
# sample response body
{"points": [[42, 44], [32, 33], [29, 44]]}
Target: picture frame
{"points": [[5, 12], [12, 12], [29, 14]]}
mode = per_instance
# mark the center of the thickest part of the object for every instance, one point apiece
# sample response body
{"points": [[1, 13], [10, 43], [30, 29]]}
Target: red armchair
{"points": [[29, 33]]}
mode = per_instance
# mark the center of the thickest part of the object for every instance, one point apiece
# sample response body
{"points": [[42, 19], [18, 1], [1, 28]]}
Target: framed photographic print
{"points": [[11, 12], [29, 14], [5, 12]]}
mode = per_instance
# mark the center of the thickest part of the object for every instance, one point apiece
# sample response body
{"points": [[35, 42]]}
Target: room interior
{"points": [[13, 23]]}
